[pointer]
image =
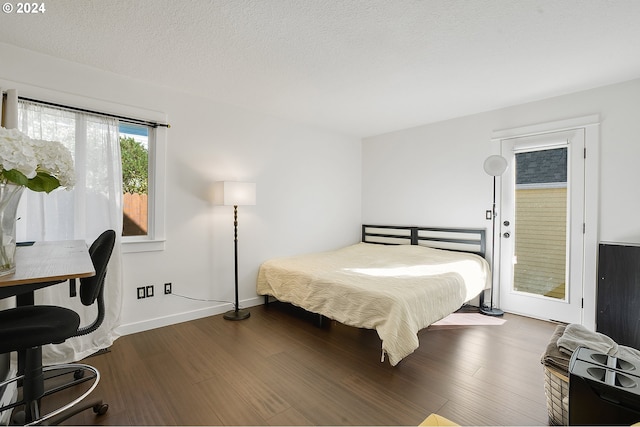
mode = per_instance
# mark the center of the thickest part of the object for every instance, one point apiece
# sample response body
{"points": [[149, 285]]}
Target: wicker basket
{"points": [[556, 388]]}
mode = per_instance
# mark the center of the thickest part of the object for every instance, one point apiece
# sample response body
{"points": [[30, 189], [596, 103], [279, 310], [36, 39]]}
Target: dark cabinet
{"points": [[618, 302]]}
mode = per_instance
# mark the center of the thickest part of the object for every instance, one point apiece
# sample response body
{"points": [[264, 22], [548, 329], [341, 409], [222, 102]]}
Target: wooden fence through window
{"points": [[135, 215]]}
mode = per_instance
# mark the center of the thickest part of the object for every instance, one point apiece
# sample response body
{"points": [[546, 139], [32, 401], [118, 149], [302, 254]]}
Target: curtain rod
{"points": [[98, 113]]}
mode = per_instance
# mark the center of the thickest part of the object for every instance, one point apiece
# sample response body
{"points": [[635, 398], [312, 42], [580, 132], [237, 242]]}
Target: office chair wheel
{"points": [[100, 408], [18, 418]]}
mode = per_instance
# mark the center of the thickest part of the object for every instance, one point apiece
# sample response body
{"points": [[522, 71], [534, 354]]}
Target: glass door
{"points": [[541, 236]]}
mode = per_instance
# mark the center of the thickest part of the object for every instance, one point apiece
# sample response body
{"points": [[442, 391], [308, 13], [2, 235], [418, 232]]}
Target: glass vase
{"points": [[9, 198]]}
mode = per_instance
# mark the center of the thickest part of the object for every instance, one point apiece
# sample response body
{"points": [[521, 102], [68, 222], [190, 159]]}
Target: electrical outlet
{"points": [[149, 291], [167, 288], [141, 292]]}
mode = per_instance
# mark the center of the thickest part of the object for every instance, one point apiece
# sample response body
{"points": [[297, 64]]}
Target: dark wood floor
{"points": [[278, 368]]}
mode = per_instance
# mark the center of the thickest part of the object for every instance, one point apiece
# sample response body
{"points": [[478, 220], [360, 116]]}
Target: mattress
{"points": [[396, 290]]}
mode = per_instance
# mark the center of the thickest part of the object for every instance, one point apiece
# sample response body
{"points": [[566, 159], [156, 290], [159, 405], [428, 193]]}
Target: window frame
{"points": [[155, 238]]}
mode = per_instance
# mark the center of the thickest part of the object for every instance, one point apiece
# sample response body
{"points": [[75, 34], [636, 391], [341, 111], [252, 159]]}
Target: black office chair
{"points": [[26, 329]]}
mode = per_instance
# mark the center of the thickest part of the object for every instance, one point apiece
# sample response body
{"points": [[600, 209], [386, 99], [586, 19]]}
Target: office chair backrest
{"points": [[100, 253], [92, 288]]}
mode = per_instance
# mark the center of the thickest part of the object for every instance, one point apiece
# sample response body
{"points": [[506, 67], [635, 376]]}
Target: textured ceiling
{"points": [[361, 67]]}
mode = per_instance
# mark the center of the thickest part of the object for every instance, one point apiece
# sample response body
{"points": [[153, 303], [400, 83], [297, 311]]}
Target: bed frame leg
{"points": [[266, 301]]}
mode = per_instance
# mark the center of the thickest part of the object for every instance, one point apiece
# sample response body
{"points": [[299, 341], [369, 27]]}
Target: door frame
{"points": [[591, 126]]}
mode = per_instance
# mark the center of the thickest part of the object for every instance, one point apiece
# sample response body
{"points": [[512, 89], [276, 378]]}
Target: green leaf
{"points": [[16, 177], [43, 182]]}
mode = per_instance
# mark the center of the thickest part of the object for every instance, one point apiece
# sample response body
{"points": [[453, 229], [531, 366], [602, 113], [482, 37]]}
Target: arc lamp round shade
{"points": [[495, 165]]}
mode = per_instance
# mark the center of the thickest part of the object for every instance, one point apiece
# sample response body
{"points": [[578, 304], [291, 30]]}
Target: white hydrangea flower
{"points": [[55, 159], [16, 152], [29, 156]]}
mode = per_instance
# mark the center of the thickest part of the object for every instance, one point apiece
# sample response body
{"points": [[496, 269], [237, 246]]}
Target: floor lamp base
{"points": [[491, 311], [237, 314]]}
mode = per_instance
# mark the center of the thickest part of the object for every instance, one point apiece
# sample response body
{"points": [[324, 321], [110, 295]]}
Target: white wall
{"points": [[433, 175], [308, 187]]}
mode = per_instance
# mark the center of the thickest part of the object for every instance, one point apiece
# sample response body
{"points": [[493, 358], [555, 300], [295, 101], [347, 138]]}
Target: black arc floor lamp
{"points": [[495, 166], [232, 193]]}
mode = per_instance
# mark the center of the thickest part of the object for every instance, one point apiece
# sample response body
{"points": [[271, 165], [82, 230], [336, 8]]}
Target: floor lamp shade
{"points": [[494, 166], [232, 193]]}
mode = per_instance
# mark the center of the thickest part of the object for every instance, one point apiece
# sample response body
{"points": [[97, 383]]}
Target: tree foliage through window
{"points": [[135, 166]]}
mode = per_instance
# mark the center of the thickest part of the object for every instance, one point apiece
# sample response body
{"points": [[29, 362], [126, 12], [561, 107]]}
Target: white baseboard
{"points": [[159, 322]]}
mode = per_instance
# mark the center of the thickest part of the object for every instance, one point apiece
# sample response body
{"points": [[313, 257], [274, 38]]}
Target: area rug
{"points": [[469, 319]]}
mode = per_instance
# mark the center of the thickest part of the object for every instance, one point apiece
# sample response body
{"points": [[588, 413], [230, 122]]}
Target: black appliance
{"points": [[603, 390]]}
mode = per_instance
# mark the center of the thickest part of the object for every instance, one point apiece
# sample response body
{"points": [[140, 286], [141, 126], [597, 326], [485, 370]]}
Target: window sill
{"points": [[132, 246]]}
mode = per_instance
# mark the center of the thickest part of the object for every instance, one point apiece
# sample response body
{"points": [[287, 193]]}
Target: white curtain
{"points": [[82, 213]]}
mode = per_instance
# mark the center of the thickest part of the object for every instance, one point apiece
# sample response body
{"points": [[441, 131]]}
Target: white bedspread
{"points": [[396, 290]]}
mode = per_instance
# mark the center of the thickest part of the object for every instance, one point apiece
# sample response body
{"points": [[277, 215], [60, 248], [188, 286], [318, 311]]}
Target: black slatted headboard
{"points": [[471, 240]]}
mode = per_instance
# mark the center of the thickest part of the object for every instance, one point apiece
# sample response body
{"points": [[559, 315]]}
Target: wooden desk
{"points": [[47, 263]]}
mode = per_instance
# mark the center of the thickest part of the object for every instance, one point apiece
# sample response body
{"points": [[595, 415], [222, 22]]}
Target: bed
{"points": [[397, 280]]}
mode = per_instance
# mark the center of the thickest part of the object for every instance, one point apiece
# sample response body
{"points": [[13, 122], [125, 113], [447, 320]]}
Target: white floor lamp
{"points": [[229, 193], [495, 166]]}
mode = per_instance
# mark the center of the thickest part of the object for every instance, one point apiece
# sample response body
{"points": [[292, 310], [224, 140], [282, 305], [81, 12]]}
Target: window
{"points": [[541, 222], [141, 151], [134, 150]]}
